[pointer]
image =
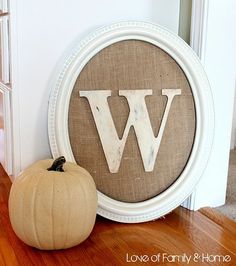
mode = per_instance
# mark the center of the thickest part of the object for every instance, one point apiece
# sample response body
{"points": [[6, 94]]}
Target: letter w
{"points": [[113, 146]]}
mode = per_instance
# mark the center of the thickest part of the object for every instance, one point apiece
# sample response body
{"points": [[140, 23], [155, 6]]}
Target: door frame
{"points": [[211, 40]]}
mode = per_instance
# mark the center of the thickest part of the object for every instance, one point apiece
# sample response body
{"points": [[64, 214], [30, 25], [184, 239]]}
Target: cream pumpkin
{"points": [[53, 209]]}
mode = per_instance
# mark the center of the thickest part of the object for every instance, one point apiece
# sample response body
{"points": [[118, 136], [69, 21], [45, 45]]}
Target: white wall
{"points": [[233, 132], [220, 65], [42, 32]]}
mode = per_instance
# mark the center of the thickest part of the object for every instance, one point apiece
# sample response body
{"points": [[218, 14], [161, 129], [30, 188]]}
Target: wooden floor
{"points": [[205, 238]]}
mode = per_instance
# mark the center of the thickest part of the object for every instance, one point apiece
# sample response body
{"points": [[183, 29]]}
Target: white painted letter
{"points": [[113, 147]]}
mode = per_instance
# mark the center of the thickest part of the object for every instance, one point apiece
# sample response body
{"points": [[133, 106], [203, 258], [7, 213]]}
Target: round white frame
{"points": [[59, 105]]}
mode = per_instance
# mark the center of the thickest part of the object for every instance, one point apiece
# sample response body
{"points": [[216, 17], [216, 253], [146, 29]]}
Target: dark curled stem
{"points": [[58, 164]]}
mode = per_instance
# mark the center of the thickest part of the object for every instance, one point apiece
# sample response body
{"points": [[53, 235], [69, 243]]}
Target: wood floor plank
{"points": [[209, 228], [7, 253], [224, 238], [201, 233], [219, 218]]}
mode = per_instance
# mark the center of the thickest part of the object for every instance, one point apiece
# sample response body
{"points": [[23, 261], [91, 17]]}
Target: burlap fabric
{"points": [[133, 64]]}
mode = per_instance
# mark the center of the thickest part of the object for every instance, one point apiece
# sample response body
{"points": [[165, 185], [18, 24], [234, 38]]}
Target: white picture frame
{"points": [[182, 188]]}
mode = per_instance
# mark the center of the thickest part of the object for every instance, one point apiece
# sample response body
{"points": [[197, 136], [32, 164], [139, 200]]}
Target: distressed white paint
{"points": [[113, 146]]}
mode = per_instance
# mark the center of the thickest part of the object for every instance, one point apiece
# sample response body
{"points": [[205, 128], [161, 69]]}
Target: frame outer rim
{"points": [[189, 62]]}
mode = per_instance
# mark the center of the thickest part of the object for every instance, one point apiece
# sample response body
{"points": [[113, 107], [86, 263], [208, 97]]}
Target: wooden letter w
{"points": [[113, 146]]}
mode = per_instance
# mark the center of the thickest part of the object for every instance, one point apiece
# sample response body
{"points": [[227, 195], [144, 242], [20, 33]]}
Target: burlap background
{"points": [[133, 64]]}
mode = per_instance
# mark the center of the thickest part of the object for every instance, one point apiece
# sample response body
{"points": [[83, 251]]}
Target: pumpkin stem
{"points": [[58, 164]]}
